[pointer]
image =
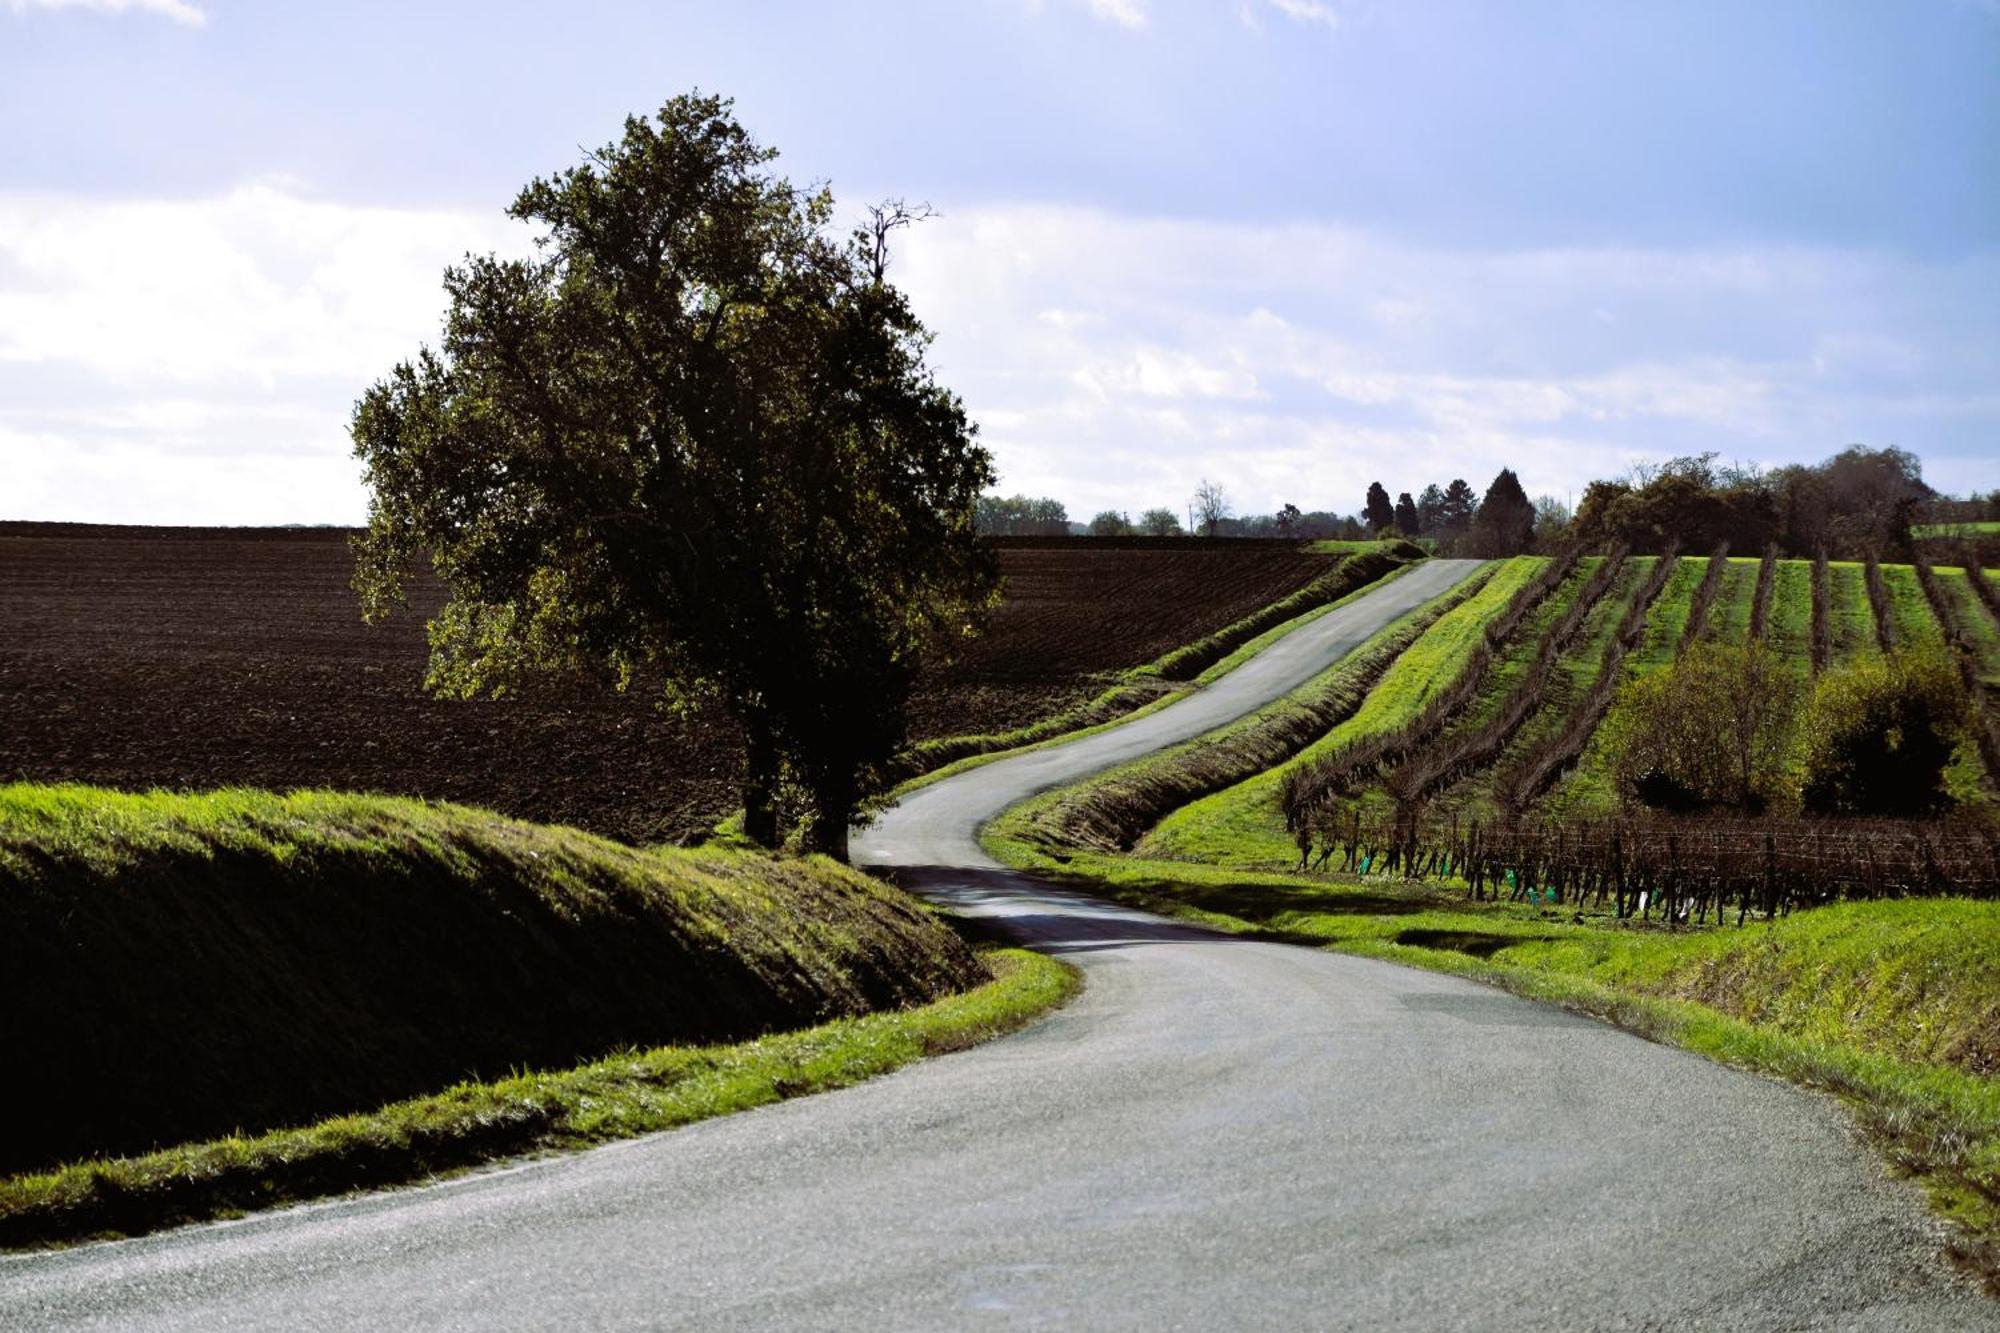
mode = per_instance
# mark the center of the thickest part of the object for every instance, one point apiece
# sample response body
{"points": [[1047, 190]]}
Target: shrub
{"points": [[1879, 735], [1709, 730]]}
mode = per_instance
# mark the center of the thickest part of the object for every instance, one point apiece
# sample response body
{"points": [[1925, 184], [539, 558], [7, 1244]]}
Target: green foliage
{"points": [[693, 442], [1712, 729], [1024, 516], [1110, 523], [1505, 524], [1457, 508], [1160, 523], [1686, 500], [1406, 515], [1952, 531], [1880, 733], [1378, 513]]}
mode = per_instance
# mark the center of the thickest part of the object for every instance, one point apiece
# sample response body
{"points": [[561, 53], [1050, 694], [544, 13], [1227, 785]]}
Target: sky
{"points": [[1291, 246]]}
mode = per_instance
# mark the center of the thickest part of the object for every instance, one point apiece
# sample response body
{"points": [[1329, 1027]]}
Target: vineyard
{"points": [[195, 658], [1458, 794], [1486, 754]]}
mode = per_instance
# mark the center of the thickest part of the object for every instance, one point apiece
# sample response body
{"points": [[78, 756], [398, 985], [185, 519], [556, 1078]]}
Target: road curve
{"points": [[1216, 1134]]}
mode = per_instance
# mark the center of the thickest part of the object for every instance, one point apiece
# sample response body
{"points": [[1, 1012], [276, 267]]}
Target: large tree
{"points": [[1406, 515], [1210, 506], [1430, 510], [1506, 521], [1456, 513], [692, 443], [1378, 513]]}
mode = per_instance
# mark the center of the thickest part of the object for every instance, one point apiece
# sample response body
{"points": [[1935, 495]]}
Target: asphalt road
{"points": [[1216, 1134]]}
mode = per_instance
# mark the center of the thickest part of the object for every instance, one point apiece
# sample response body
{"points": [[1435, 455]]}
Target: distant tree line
{"points": [[1021, 516], [1861, 502], [1452, 519]]}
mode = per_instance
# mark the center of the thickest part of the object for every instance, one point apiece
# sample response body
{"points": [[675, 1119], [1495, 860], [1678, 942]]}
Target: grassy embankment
{"points": [[1110, 813], [1171, 676], [1243, 825], [1573, 676], [1591, 784], [254, 976]]}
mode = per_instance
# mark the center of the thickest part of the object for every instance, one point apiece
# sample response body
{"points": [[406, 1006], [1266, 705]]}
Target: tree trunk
{"points": [[760, 785], [833, 810]]}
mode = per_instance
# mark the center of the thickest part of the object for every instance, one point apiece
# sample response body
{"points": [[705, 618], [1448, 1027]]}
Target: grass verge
{"points": [[472, 1124]]}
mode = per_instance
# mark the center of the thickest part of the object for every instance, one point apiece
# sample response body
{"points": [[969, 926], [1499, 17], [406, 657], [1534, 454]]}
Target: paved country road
{"points": [[1216, 1134]]}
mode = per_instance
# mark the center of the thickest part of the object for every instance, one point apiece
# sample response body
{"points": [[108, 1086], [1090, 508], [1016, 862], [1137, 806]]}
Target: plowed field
{"points": [[136, 657]]}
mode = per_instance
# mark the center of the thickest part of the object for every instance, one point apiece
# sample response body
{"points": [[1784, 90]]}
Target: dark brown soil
{"points": [[136, 657]]}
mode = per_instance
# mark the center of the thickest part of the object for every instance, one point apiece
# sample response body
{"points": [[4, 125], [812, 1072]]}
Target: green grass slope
{"points": [[1113, 809], [1242, 825], [1170, 675], [176, 967], [1977, 627], [1574, 674], [630, 1093], [1853, 620]]}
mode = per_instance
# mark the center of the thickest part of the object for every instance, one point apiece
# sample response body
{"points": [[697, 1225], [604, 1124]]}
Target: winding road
{"points": [[1215, 1134]]}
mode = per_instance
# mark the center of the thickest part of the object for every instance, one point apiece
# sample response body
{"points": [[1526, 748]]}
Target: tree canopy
{"points": [[1378, 513], [691, 443], [1505, 524], [1022, 516], [1406, 515], [1110, 523], [1857, 503]]}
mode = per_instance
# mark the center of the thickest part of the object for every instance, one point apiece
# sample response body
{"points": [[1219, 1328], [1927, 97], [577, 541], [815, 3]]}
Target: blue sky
{"points": [[1291, 245]]}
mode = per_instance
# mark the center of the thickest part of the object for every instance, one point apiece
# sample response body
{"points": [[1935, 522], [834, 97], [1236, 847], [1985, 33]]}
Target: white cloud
{"points": [[196, 360], [1113, 361], [1321, 12], [1125, 13], [178, 10], [1307, 11], [254, 285]]}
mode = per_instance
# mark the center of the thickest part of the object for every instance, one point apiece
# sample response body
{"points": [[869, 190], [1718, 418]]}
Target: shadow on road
{"points": [[1013, 907]]}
